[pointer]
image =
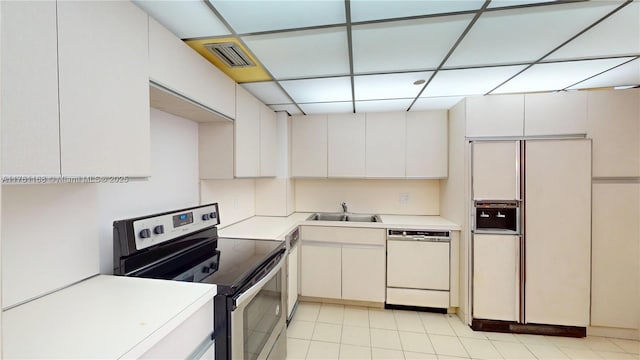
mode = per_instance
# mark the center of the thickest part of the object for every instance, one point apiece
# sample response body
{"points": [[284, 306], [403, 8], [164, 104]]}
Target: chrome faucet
{"points": [[344, 207]]}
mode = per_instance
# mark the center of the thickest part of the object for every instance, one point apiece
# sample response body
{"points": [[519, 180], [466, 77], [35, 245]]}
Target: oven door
{"points": [[258, 321]]}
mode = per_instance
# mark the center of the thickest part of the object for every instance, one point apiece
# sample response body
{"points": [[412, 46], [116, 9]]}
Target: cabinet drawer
{"points": [[346, 235], [415, 297]]}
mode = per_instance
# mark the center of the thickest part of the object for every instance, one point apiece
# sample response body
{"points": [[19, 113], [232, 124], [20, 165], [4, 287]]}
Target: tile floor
{"points": [[326, 331]]}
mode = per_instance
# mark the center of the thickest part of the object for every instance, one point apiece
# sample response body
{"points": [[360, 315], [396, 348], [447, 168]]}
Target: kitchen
{"points": [[171, 162]]}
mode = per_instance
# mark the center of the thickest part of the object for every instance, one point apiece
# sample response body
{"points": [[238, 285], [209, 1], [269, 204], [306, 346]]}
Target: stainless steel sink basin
{"points": [[344, 217]]}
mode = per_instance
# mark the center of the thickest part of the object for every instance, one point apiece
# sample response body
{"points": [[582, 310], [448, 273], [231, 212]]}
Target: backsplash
{"points": [[235, 198], [402, 197]]}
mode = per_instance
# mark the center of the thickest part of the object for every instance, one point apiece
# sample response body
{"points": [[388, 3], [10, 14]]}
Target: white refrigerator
{"points": [[539, 274]]}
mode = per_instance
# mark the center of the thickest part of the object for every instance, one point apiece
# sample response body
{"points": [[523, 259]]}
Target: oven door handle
{"points": [[252, 291]]}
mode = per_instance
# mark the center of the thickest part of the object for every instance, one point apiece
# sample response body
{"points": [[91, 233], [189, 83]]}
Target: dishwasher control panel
{"points": [[412, 234]]}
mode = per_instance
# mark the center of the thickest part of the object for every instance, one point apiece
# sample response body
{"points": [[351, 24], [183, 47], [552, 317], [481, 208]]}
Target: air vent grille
{"points": [[231, 54]]}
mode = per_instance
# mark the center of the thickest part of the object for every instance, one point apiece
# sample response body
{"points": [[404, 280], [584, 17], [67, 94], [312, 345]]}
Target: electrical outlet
{"points": [[404, 198]]}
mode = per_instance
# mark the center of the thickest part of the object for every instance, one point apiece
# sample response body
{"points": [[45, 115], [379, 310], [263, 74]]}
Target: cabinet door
{"points": [[104, 88], [495, 170], [268, 141], [215, 150], [247, 134], [613, 124], [29, 103], [346, 145], [496, 263], [386, 136], [495, 115], [558, 232], [321, 269], [363, 269], [174, 65], [427, 151], [309, 146], [555, 113], [615, 264]]}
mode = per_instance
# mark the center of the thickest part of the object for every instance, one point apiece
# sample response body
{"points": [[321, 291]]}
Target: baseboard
{"points": [[631, 334], [371, 304], [535, 329]]}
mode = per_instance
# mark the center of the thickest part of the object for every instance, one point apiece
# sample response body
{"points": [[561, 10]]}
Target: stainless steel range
{"points": [[183, 245]]}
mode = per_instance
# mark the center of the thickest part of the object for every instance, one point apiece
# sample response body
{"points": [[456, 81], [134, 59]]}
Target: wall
{"points": [[453, 195], [173, 183], [368, 196], [235, 198]]}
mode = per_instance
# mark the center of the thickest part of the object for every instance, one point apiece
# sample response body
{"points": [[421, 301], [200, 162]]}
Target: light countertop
{"points": [[104, 317], [277, 227]]}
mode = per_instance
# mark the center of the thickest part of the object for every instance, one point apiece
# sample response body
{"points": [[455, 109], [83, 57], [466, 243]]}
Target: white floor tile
{"points": [[354, 352], [616, 355], [356, 316], [630, 346], [300, 329], [382, 319], [385, 339], [602, 344], [502, 337], [462, 330], [419, 356], [355, 335], [533, 339], [297, 349], [447, 345], [386, 354], [580, 354], [568, 343], [331, 313], [408, 321], [480, 349], [416, 342], [512, 350], [327, 332], [323, 350], [307, 311], [438, 324], [546, 352]]}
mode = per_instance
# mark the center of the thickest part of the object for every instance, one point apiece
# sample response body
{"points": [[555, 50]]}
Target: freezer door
{"points": [[496, 172], [496, 263], [558, 232]]}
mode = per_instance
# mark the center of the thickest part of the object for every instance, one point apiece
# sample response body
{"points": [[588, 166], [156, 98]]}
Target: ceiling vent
{"points": [[231, 54]]}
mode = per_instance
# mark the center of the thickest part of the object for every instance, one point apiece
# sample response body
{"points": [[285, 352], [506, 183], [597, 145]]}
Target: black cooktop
{"points": [[239, 260]]}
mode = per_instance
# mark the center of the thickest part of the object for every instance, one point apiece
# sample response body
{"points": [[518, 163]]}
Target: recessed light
{"points": [[419, 82]]}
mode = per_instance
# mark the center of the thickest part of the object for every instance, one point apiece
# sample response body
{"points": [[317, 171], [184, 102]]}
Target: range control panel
{"points": [[155, 230]]}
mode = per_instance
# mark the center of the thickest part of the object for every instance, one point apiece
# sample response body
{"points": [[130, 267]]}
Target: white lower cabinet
{"points": [[343, 263]]}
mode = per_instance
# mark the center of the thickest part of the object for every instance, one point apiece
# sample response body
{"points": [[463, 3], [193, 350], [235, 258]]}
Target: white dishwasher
{"points": [[418, 268]]}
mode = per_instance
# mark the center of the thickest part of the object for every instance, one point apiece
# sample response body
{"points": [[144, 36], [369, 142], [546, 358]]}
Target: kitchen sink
{"points": [[344, 217]]}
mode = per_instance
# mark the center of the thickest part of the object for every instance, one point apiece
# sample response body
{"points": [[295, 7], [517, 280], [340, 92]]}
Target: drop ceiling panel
{"points": [[383, 105], [319, 52], [319, 90], [254, 16], [290, 108], [525, 35], [436, 103], [328, 108], [202, 22], [371, 87], [627, 74], [405, 45], [503, 3], [619, 34], [365, 10], [268, 92], [557, 76], [476, 81]]}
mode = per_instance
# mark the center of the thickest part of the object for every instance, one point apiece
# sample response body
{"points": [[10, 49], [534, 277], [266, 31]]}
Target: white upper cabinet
{"points": [[613, 122], [104, 91], [309, 146], [385, 138], [555, 113], [174, 65], [427, 149], [30, 137], [346, 145], [247, 134], [268, 142], [495, 115]]}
